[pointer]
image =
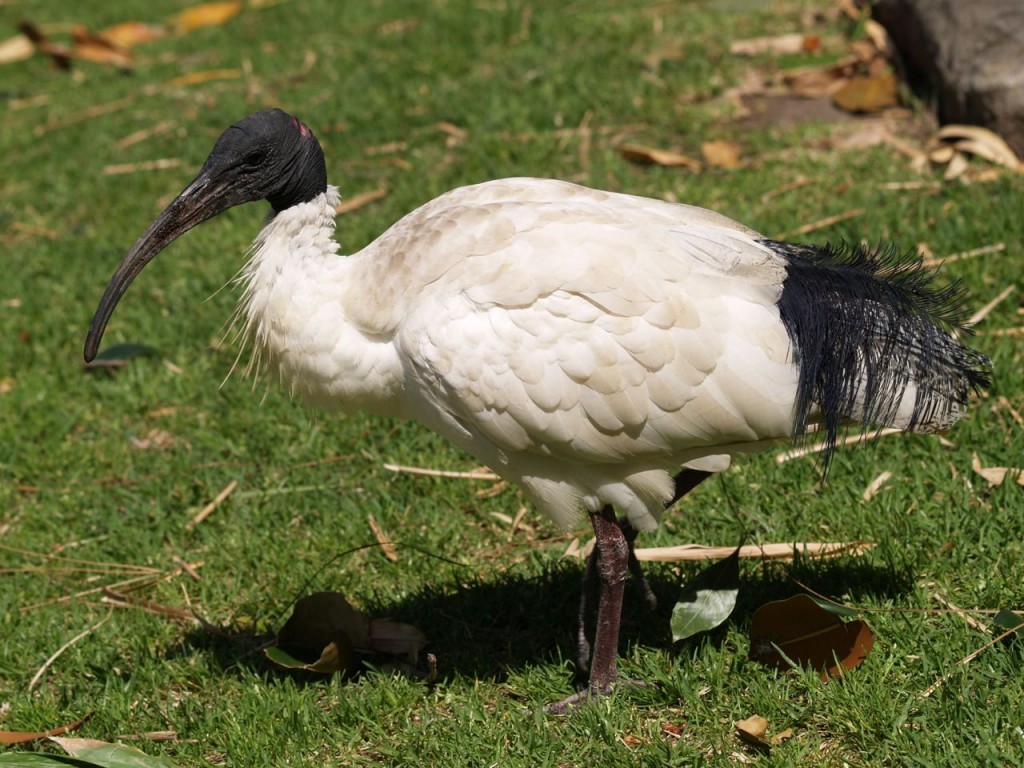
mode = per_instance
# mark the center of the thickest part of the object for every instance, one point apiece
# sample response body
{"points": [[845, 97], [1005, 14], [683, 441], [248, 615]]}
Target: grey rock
{"points": [[966, 56]]}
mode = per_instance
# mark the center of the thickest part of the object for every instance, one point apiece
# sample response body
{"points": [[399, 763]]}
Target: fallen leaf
{"points": [[128, 34], [868, 93], [972, 140], [1008, 620], [24, 737], [996, 476], [16, 48], [60, 54], [105, 755], [755, 726], [781, 736], [751, 732], [197, 78], [721, 153], [89, 46], [708, 599], [799, 631], [156, 438], [637, 153], [324, 631], [205, 15]]}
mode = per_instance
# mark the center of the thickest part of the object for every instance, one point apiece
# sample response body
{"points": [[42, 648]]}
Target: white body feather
{"points": [[582, 344]]}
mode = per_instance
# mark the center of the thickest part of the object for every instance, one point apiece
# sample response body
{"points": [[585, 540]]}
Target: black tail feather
{"points": [[866, 324]]}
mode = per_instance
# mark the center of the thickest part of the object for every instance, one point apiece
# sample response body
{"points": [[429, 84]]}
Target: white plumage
{"points": [[583, 344], [602, 351]]}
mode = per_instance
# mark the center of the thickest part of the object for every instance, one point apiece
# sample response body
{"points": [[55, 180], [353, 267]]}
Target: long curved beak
{"points": [[203, 199]]}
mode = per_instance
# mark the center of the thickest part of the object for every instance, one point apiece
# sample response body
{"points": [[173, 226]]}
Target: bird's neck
{"points": [[297, 307]]}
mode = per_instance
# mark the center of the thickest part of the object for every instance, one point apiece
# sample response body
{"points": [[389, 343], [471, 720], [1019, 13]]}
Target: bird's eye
{"points": [[254, 158]]}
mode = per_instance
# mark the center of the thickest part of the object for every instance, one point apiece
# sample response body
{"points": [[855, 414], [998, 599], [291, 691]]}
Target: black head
{"points": [[268, 155]]}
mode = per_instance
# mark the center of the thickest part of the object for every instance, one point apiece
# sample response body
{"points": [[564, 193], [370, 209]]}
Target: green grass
{"points": [[514, 76]]}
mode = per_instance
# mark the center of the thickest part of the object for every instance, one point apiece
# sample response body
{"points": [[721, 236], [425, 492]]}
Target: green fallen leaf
{"points": [[106, 755], [1008, 620], [708, 600], [40, 760], [836, 608], [85, 753]]}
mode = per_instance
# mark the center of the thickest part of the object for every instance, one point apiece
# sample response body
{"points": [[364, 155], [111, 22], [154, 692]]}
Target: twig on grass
{"points": [[796, 453], [967, 659], [481, 473], [206, 511]]}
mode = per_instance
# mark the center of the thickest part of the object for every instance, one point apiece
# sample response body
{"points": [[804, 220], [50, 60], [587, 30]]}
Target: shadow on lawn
{"points": [[481, 628]]}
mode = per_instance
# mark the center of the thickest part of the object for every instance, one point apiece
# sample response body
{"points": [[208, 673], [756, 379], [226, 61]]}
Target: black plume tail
{"points": [[875, 339]]}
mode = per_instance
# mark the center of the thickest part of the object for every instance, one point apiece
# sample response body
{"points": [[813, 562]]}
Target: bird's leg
{"points": [[685, 481], [589, 589], [612, 564]]}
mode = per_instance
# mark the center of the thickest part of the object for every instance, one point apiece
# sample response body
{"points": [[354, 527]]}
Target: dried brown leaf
{"points": [[60, 54], [868, 93], [90, 46], [128, 34], [973, 140], [800, 631], [205, 15], [721, 153], [752, 731], [197, 78], [643, 155], [24, 737], [996, 476]]}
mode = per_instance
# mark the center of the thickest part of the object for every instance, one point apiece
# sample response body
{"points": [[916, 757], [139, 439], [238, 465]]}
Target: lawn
{"points": [[103, 470]]}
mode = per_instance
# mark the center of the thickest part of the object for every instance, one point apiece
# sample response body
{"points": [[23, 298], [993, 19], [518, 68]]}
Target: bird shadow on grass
{"points": [[485, 627]]}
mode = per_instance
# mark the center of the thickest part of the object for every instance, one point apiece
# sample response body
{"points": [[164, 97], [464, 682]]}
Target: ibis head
{"points": [[269, 155]]}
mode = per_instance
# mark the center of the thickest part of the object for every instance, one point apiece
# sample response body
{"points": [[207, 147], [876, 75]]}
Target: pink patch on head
{"points": [[301, 126]]}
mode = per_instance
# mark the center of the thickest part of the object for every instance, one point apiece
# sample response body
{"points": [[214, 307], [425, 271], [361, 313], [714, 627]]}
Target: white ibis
{"points": [[603, 352]]}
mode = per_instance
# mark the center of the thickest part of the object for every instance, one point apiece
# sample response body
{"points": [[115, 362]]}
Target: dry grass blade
{"points": [[161, 164], [828, 221], [145, 133], [876, 485], [382, 539], [56, 654], [982, 251], [982, 313], [121, 600], [960, 612], [358, 201], [86, 114]]}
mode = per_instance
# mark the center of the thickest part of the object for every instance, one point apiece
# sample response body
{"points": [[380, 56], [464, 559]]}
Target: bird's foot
{"points": [[591, 693]]}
